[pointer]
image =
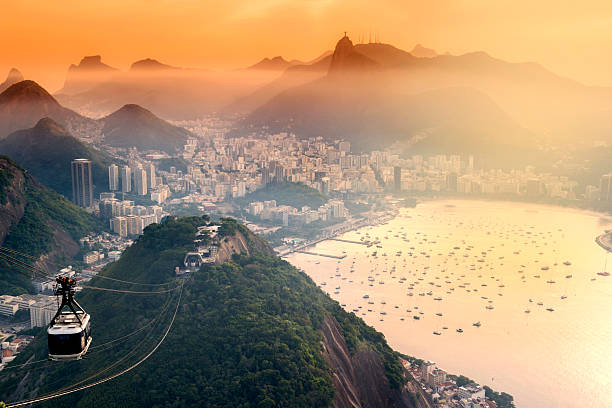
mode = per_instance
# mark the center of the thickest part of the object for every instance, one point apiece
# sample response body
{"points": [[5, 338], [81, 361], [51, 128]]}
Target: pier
{"points": [[325, 255], [368, 243]]}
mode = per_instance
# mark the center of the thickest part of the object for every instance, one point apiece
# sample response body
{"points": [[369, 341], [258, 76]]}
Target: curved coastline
{"points": [[605, 241]]}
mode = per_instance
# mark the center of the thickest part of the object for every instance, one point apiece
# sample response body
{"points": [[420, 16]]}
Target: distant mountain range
{"points": [[24, 103], [274, 64], [86, 74], [375, 95], [172, 92], [46, 151], [361, 92]]}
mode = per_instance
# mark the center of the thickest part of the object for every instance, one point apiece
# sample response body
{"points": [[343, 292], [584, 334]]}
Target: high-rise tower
{"points": [[113, 177], [82, 187]]}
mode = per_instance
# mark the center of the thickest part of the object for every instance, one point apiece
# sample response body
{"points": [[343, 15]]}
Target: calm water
{"points": [[471, 255]]}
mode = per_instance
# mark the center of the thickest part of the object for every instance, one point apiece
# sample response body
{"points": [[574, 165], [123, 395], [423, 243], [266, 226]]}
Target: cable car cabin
{"points": [[70, 336]]}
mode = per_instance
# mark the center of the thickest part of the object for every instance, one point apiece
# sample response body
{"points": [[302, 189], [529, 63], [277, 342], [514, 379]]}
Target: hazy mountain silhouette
{"points": [[364, 78], [359, 100], [132, 125], [23, 104], [347, 59], [149, 64], [172, 92], [46, 151], [273, 64], [13, 77], [89, 72], [422, 52]]}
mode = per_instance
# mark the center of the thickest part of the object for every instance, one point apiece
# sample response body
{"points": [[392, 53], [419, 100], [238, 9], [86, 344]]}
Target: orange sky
{"points": [[42, 37]]}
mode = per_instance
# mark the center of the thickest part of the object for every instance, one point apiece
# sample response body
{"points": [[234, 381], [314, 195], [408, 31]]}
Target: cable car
{"points": [[69, 334]]}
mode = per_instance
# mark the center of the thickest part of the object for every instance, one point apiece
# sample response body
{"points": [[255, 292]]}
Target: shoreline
{"points": [[605, 241]]}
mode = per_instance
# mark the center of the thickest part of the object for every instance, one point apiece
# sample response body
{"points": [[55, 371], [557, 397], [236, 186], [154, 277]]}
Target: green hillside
{"points": [[292, 194], [247, 334], [46, 151], [49, 222]]}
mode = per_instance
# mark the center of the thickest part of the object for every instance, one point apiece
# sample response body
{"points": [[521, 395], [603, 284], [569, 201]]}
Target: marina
{"points": [[479, 279]]}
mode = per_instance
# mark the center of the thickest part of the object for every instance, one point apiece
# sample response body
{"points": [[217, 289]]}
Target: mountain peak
{"points": [[346, 58], [13, 77], [133, 125], [149, 64], [27, 90], [92, 63], [133, 109], [48, 125], [423, 52], [272, 64]]}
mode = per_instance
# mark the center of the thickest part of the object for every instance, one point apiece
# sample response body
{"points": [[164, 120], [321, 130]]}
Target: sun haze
{"points": [[42, 38]]}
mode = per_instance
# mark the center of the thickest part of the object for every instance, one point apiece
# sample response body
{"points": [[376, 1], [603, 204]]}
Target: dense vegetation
{"points": [[46, 151], [246, 334], [292, 194], [45, 211]]}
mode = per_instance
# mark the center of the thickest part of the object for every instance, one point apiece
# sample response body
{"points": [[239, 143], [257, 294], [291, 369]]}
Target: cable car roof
{"points": [[67, 323]]}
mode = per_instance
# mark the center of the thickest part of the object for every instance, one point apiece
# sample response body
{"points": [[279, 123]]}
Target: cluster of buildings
{"points": [[125, 217], [290, 216], [443, 392], [456, 174], [10, 349], [103, 246], [41, 307]]}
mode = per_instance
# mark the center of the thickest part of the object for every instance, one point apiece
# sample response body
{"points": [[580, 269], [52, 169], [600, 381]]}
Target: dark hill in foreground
{"points": [[251, 332]]}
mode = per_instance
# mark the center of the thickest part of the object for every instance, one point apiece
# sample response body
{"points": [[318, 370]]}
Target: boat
{"points": [[366, 296], [477, 324], [527, 311], [603, 273], [550, 309], [459, 330], [437, 333], [415, 317], [568, 263], [568, 276], [438, 314], [489, 307]]}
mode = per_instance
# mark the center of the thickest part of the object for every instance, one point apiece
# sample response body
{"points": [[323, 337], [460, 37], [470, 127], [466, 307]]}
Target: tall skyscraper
{"points": [[126, 179], [82, 187], [113, 177], [151, 178], [140, 181], [605, 187], [397, 178]]}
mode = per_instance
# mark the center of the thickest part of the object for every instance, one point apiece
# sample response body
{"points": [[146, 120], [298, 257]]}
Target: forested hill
{"points": [[251, 332], [46, 151], [293, 194], [38, 222]]}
